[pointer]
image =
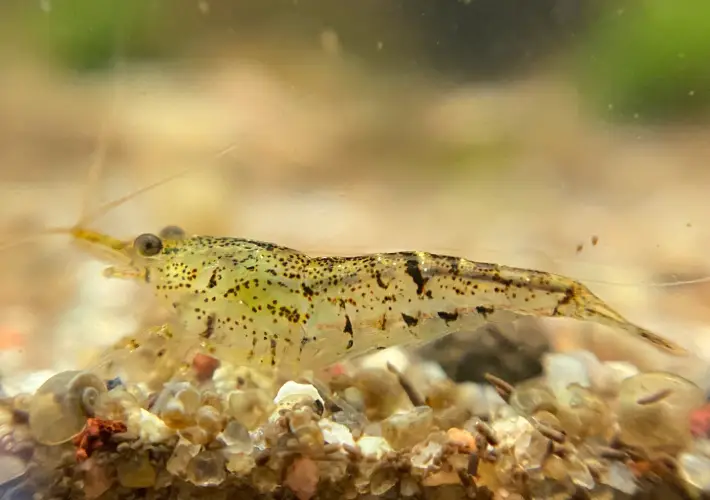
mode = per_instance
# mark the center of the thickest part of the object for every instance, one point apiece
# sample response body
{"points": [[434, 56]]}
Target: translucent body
{"points": [[258, 303]]}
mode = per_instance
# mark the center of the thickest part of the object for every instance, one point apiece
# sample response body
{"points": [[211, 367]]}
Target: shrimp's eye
{"points": [[172, 233], [148, 245]]}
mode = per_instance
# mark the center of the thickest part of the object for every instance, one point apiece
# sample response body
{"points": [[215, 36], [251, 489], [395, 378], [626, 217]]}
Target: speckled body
{"points": [[258, 303]]}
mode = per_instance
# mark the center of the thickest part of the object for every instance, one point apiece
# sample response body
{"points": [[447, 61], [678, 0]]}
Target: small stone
{"points": [[236, 438], [293, 389], [302, 478], [206, 469], [204, 366], [382, 480], [250, 407], [240, 464], [700, 421], [694, 469], [408, 486], [213, 399], [196, 435], [424, 457], [404, 430], [149, 427], [531, 396], [654, 411], [265, 480], [11, 467], [334, 433], [135, 472], [373, 447], [303, 425], [175, 415], [606, 379], [531, 450], [96, 480], [579, 473], [583, 414], [190, 399], [183, 453], [209, 419], [619, 477], [462, 438], [570, 368], [509, 430], [441, 478], [382, 393]]}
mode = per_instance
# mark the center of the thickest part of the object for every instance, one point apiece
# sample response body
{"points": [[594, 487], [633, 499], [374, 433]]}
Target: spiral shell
{"points": [[60, 407]]}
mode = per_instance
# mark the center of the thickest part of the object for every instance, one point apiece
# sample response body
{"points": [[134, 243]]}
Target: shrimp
{"points": [[259, 304]]}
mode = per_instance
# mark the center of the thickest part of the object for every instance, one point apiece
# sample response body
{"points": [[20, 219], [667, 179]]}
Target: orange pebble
{"points": [[461, 438], [204, 366]]}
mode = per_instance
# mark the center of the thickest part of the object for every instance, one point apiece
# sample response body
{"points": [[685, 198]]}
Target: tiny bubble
{"points": [[691, 93], [45, 5]]}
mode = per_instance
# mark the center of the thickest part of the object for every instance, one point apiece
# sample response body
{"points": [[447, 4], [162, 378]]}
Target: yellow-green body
{"points": [[258, 303]]}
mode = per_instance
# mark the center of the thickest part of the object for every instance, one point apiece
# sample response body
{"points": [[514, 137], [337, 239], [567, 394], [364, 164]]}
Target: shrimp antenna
{"points": [[106, 207], [651, 284]]}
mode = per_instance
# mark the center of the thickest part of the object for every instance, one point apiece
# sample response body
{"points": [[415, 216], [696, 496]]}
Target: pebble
{"points": [[661, 425], [424, 457], [302, 478], [563, 369], [373, 447], [293, 389], [135, 472], [462, 438], [206, 469], [404, 430], [694, 469], [182, 455], [148, 426], [11, 467], [620, 477], [335, 433], [250, 407]]}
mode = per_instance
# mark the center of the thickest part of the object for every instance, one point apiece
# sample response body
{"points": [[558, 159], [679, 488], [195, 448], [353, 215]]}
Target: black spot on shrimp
{"points": [[415, 272], [349, 330]]}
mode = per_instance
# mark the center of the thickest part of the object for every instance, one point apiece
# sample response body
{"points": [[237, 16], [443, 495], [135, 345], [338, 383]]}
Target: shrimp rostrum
{"points": [[258, 303]]}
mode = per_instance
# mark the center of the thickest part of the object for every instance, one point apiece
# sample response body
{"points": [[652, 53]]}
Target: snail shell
{"points": [[60, 407]]}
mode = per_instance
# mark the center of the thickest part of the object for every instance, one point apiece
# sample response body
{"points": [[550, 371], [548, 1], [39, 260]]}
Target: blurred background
{"points": [[566, 135]]}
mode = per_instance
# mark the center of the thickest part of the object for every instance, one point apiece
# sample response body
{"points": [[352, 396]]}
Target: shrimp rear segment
{"points": [[255, 302]]}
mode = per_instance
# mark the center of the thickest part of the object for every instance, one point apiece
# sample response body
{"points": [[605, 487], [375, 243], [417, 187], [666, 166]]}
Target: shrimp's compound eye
{"points": [[172, 233], [148, 245]]}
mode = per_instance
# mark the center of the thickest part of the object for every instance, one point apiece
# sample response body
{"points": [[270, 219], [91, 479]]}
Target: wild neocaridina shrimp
{"points": [[257, 303]]}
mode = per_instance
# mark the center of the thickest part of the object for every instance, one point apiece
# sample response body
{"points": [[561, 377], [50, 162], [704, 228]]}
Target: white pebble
{"points": [[695, 470], [149, 427], [292, 388], [335, 433], [373, 446], [563, 369]]}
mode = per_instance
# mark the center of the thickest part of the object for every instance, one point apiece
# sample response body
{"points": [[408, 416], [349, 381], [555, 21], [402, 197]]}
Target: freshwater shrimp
{"points": [[258, 303]]}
